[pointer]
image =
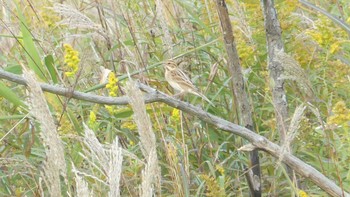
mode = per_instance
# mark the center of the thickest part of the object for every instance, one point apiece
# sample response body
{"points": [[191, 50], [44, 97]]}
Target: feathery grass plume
{"points": [[292, 130], [147, 137], [148, 173], [115, 168], [293, 71], [110, 159], [81, 185], [73, 18], [55, 162], [96, 150], [143, 122], [163, 24]]}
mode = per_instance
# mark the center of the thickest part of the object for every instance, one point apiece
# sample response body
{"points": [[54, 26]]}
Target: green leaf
{"points": [[15, 69], [124, 113], [31, 52], [49, 63], [8, 94]]}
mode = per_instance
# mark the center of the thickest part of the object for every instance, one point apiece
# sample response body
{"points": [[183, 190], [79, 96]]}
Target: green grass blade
{"points": [[8, 94], [49, 63], [31, 52]]}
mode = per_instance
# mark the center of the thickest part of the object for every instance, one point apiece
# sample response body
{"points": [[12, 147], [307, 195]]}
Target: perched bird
{"points": [[180, 81]]}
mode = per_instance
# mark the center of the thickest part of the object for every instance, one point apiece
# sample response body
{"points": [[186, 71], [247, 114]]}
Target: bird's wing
{"points": [[184, 80]]}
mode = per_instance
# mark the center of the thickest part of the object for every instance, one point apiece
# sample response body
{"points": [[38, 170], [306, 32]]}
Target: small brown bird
{"points": [[180, 81]]}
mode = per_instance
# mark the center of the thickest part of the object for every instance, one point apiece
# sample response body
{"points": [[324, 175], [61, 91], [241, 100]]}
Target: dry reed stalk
{"points": [[174, 168], [55, 162]]}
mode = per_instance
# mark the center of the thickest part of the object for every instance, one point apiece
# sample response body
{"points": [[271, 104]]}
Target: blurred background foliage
{"points": [[83, 44]]}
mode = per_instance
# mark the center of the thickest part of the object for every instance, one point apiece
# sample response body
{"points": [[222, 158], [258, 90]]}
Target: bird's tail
{"points": [[204, 97]]}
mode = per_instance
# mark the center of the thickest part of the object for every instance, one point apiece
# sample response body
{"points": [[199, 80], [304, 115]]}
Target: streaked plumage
{"points": [[180, 81]]}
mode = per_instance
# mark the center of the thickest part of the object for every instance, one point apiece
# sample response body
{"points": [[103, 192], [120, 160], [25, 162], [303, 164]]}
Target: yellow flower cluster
{"points": [[71, 59], [92, 117], [285, 10], [175, 115], [324, 36], [66, 126], [112, 85], [175, 121], [246, 52], [129, 124], [92, 121], [50, 17], [334, 47], [220, 169], [339, 73], [111, 109], [213, 187], [341, 114], [302, 193]]}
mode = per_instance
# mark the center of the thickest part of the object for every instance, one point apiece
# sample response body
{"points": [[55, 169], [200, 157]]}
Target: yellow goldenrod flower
{"points": [[175, 121], [66, 126], [302, 193], [71, 59], [220, 169], [341, 114], [92, 120], [92, 117], [175, 115], [213, 188], [129, 124], [112, 85], [50, 17], [334, 48], [111, 109]]}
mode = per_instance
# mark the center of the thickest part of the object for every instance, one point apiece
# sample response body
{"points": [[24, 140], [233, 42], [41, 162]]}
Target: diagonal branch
{"points": [[153, 95]]}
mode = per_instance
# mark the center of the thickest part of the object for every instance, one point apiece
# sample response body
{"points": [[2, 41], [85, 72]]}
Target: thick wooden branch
{"points": [[153, 95], [275, 44], [239, 92]]}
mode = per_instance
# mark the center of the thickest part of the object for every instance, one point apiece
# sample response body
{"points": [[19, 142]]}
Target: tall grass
{"points": [[142, 150]]}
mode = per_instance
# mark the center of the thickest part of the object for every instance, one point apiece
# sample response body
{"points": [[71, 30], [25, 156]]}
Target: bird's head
{"points": [[170, 65]]}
